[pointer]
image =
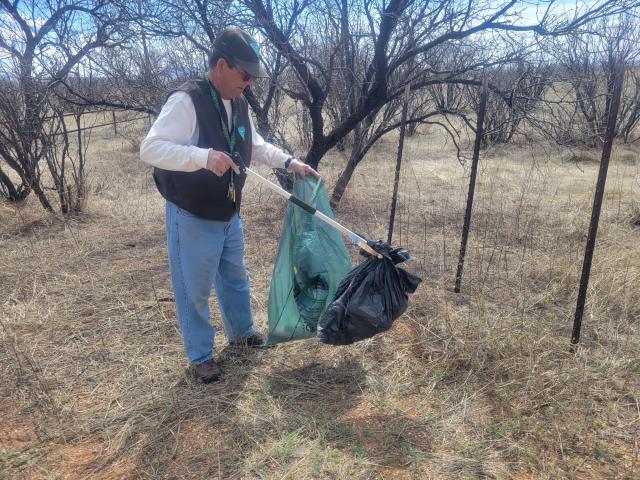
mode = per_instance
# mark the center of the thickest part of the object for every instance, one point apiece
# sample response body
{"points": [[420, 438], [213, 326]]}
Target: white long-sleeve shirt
{"points": [[172, 139]]}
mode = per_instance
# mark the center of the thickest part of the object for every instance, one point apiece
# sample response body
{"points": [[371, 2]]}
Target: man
{"points": [[200, 124]]}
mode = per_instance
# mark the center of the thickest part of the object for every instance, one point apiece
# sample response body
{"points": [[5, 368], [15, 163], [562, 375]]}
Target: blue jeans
{"points": [[205, 254]]}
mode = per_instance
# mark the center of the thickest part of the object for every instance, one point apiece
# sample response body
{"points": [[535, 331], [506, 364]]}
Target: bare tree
{"points": [[522, 87], [41, 43], [352, 57], [170, 43], [387, 52], [577, 108], [137, 74], [630, 108], [377, 125]]}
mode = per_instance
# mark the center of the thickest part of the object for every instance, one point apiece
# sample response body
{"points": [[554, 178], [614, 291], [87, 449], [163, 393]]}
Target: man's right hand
{"points": [[219, 162]]}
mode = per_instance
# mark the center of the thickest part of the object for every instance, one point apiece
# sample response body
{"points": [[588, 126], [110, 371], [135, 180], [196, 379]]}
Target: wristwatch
{"points": [[287, 162]]}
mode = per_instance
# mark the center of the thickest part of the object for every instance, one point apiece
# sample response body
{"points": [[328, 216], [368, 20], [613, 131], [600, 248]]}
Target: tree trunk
{"points": [[11, 193], [44, 201], [343, 181], [264, 127]]}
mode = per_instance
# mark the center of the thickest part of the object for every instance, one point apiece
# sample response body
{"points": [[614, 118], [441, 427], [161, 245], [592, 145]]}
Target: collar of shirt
{"points": [[228, 109]]}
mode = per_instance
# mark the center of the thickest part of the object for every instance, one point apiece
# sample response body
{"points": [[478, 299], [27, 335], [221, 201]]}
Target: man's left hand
{"points": [[302, 169]]}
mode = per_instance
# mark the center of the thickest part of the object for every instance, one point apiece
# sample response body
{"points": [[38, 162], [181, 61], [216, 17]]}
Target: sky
{"points": [[530, 11]]}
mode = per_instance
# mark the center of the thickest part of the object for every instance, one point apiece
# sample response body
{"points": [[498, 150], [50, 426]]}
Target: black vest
{"points": [[202, 192]]}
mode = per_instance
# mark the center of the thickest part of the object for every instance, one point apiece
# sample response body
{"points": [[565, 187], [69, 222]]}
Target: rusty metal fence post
{"points": [[615, 92], [115, 123], [472, 184], [396, 180]]}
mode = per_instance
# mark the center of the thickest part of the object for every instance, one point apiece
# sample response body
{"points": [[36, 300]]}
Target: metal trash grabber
{"points": [[355, 238]]}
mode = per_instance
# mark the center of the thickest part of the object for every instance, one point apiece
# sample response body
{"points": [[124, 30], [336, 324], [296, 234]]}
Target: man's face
{"points": [[233, 80]]}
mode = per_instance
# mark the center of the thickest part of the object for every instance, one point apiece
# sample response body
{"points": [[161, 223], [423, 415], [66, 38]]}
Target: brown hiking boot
{"points": [[256, 340], [208, 371]]}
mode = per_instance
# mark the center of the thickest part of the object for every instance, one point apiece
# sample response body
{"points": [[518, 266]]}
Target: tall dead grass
{"points": [[473, 385]]}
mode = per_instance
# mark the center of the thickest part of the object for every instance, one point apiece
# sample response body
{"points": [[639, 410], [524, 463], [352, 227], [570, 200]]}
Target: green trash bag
{"points": [[311, 262]]}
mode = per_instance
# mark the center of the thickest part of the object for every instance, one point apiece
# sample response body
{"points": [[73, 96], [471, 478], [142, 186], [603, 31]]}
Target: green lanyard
{"points": [[231, 139]]}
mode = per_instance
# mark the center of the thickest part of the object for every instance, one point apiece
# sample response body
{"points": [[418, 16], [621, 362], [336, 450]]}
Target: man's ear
{"points": [[220, 64]]}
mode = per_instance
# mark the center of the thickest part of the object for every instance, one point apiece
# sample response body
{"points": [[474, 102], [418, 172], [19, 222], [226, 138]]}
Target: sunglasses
{"points": [[245, 76]]}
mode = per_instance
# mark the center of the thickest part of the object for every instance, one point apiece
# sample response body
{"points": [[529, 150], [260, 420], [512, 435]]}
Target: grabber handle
{"points": [[355, 238]]}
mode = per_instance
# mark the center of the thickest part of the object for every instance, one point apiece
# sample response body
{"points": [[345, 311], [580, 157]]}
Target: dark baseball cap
{"points": [[241, 48]]}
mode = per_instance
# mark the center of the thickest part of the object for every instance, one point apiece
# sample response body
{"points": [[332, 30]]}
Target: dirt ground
{"points": [[481, 384]]}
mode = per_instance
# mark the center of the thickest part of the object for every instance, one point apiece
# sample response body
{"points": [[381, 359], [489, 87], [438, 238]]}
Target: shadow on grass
{"points": [[329, 404], [318, 390], [261, 420], [189, 428]]}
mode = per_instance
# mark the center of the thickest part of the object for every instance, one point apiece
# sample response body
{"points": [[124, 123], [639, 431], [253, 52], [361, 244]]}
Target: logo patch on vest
{"points": [[241, 132]]}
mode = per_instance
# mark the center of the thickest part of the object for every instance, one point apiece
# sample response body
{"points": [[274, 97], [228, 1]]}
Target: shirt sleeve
{"points": [[170, 142], [265, 152]]}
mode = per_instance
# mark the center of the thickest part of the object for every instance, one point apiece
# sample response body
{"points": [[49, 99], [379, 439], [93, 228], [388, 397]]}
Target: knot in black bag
{"points": [[369, 298]]}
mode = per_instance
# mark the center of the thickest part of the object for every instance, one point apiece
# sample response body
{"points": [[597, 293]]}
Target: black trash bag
{"points": [[369, 298]]}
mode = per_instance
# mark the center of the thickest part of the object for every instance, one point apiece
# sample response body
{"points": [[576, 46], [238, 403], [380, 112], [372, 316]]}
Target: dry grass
{"points": [[475, 385]]}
